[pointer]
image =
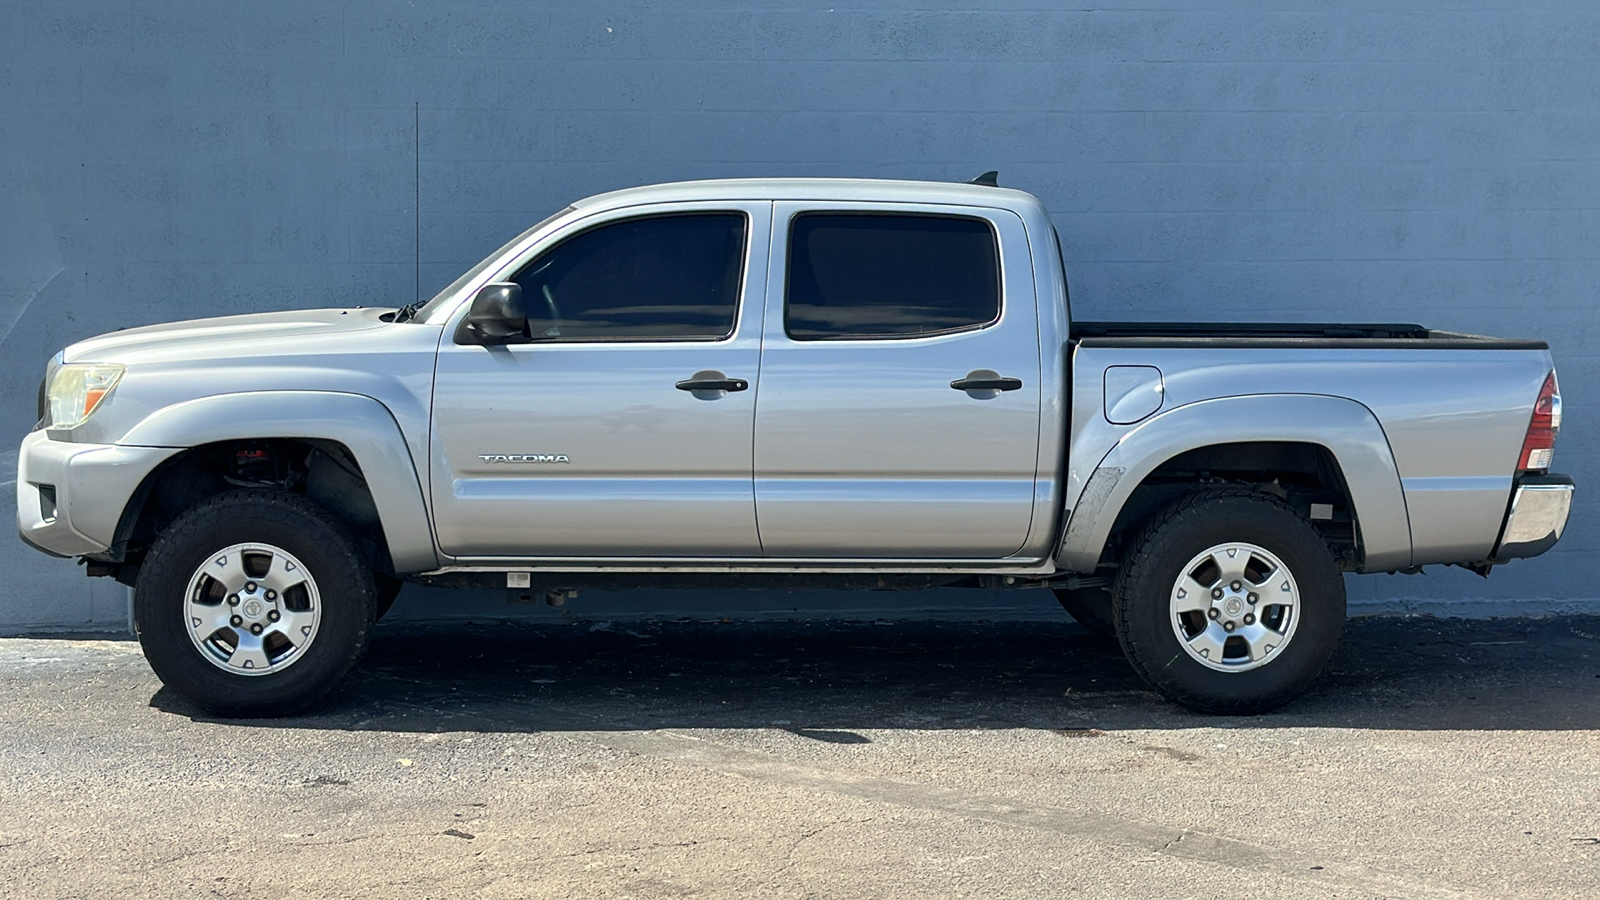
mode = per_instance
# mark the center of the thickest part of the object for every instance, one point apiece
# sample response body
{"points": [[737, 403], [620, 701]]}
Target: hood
{"points": [[249, 335]]}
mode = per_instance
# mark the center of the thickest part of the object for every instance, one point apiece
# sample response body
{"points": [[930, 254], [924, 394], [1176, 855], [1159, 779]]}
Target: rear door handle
{"points": [[711, 381], [984, 380], [713, 384]]}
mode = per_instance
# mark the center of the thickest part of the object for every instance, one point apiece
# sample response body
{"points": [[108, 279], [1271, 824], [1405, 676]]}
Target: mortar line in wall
{"points": [[416, 197]]}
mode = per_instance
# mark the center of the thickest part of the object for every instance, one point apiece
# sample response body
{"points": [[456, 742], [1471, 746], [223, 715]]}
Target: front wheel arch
{"points": [[367, 429], [325, 471]]}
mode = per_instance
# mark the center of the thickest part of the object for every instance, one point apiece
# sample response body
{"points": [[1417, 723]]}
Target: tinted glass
{"points": [[662, 277], [880, 276]]}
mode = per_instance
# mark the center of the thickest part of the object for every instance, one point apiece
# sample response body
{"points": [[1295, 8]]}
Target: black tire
{"points": [[330, 556], [1148, 626], [1090, 607]]}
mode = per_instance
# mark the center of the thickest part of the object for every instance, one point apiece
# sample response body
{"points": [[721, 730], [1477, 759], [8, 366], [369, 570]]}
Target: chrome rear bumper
{"points": [[1540, 505]]}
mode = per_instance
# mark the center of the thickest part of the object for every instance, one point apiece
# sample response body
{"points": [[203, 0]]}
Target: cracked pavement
{"points": [[1436, 758]]}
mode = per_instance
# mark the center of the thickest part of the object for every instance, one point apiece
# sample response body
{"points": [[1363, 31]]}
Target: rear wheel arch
{"points": [[1278, 443], [1299, 474]]}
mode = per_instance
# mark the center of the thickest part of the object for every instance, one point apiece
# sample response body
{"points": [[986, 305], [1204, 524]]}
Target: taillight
{"points": [[1540, 444]]}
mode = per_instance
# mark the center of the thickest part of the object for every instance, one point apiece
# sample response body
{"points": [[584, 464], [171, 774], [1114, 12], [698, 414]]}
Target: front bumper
{"points": [[70, 496], [1540, 505]]}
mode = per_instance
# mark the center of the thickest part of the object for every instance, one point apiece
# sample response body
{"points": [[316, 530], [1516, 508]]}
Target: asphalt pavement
{"points": [[1436, 758]]}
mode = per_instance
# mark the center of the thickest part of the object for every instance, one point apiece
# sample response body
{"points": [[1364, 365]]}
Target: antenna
{"points": [[990, 179]]}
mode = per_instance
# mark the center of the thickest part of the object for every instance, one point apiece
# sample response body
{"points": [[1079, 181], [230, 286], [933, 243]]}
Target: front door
{"points": [[622, 427], [899, 408]]}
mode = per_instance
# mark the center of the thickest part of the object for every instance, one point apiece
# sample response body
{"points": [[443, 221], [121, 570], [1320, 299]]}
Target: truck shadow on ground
{"points": [[829, 680]]}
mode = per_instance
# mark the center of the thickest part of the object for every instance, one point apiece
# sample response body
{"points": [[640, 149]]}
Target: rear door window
{"points": [[885, 276]]}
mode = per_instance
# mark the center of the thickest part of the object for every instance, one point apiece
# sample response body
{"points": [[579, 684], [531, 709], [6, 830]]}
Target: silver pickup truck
{"points": [[760, 383]]}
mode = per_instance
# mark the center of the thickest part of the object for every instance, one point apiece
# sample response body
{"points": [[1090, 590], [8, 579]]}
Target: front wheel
{"points": [[1229, 602], [254, 603]]}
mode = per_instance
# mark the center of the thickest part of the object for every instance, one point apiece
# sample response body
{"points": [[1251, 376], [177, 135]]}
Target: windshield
{"points": [[427, 309]]}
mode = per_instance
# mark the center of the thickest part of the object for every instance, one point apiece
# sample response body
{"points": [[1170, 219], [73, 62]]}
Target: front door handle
{"points": [[711, 384], [985, 380]]}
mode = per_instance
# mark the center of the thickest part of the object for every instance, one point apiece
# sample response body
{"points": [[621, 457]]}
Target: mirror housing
{"points": [[496, 316]]}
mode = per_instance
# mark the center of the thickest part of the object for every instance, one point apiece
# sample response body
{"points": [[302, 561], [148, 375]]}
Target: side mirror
{"points": [[496, 316]]}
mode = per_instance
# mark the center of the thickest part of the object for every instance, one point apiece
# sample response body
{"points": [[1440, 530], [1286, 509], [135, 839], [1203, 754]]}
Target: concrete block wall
{"points": [[1425, 161]]}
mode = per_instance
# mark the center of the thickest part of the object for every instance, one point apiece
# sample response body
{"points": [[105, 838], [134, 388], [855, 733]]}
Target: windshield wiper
{"points": [[405, 313]]}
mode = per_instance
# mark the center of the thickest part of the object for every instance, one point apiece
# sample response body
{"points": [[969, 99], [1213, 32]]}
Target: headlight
{"points": [[77, 390]]}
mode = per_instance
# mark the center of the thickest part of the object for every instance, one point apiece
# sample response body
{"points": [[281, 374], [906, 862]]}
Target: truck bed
{"points": [[1285, 334]]}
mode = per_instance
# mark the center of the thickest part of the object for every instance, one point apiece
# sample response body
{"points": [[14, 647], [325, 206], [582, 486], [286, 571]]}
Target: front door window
{"points": [[658, 278]]}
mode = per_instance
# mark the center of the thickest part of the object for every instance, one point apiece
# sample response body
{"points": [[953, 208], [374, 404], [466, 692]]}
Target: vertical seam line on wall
{"points": [[416, 198]]}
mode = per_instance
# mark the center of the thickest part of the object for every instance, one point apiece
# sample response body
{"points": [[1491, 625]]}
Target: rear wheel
{"points": [[254, 603], [1229, 602]]}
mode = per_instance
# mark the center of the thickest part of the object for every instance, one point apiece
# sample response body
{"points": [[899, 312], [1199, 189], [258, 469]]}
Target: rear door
{"points": [[623, 427], [898, 411]]}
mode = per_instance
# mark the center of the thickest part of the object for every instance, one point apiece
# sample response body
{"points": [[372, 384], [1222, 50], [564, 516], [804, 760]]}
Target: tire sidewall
{"points": [[289, 522], [1143, 604]]}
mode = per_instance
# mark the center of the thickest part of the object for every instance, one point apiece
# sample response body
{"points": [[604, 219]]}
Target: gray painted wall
{"points": [[1419, 161]]}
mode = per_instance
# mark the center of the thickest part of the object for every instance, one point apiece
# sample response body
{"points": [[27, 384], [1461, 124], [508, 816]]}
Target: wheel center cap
{"points": [[253, 608], [1233, 606]]}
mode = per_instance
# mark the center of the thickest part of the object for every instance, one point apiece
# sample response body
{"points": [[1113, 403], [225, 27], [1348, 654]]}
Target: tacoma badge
{"points": [[524, 457]]}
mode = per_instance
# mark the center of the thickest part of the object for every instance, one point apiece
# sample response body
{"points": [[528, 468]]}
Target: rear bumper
{"points": [[71, 496], [1540, 505]]}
